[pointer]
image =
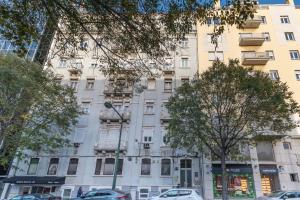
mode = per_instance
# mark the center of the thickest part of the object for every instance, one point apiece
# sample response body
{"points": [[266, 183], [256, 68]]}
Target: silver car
{"points": [[281, 195], [179, 194]]}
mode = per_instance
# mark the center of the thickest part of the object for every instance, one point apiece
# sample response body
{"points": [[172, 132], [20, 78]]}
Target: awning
{"points": [[232, 168], [47, 180]]}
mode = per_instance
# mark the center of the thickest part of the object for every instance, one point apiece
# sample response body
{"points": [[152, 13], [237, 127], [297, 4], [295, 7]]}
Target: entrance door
{"points": [[186, 173]]}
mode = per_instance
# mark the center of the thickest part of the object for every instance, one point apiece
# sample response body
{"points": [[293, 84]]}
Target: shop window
{"points": [[98, 167], [53, 166], [90, 82], [144, 193], [33, 166], [146, 166], [294, 177], [73, 164], [165, 167], [287, 145], [26, 190]]}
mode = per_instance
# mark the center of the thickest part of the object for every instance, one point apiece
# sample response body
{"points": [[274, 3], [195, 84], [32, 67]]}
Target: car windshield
{"points": [[275, 194]]}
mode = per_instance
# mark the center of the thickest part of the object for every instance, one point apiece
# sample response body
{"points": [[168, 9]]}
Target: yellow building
{"points": [[269, 42]]}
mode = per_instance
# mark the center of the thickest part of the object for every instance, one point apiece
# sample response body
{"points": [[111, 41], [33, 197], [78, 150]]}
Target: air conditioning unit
{"points": [[146, 146]]}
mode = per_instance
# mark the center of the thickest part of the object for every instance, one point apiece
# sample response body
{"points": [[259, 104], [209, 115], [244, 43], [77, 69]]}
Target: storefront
{"points": [[240, 181], [36, 184], [269, 178]]}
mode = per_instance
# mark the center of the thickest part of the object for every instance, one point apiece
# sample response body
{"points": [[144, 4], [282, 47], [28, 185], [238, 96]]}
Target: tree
{"points": [[36, 112], [227, 105], [121, 29]]}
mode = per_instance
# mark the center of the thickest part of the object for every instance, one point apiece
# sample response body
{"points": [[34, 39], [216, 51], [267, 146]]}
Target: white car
{"points": [[282, 195], [179, 194]]}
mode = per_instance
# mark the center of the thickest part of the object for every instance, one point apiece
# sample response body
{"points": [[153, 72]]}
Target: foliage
{"points": [[226, 106], [36, 111], [119, 28]]}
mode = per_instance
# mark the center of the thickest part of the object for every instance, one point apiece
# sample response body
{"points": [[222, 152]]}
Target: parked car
{"points": [[36, 197], [281, 195], [105, 194], [179, 194]]}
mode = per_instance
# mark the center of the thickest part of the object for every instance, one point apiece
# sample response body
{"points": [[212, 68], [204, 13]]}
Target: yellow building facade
{"points": [[270, 42]]}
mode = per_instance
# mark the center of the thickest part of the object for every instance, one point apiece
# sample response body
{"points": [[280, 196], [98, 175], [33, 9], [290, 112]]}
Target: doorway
{"points": [[186, 173]]}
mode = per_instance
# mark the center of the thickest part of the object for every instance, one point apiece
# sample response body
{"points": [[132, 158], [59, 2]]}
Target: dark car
{"points": [[36, 197], [105, 194]]}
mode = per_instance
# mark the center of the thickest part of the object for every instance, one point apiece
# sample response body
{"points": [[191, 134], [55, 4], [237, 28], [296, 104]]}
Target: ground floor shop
{"points": [[269, 178]]}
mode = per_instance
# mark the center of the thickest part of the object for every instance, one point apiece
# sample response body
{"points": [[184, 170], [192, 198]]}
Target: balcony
{"points": [[268, 135], [255, 58], [251, 39], [109, 115], [107, 144], [168, 70], [164, 115], [253, 22], [111, 91]]}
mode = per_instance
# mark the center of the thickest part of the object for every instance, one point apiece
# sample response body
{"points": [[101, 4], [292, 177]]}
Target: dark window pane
{"points": [[98, 167]]}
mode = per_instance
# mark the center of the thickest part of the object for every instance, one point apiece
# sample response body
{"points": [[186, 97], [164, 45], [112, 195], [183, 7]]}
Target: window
{"points": [[109, 166], [291, 195], [289, 36], [294, 55], [149, 108], [185, 80], [74, 83], [284, 19], [98, 166], [267, 36], [274, 75], [270, 53], [120, 167], [263, 19], [146, 166], [66, 193], [33, 166], [168, 85], [53, 166], [62, 63], [214, 55], [85, 106], [90, 82], [147, 139], [165, 140], [171, 193], [144, 193], [297, 73], [184, 192], [151, 83], [83, 44], [184, 62], [287, 145], [184, 43], [294, 177], [94, 65], [72, 169], [166, 167]]}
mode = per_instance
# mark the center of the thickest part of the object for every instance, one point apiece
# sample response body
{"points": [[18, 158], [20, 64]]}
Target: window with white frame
{"points": [[287, 145], [270, 54], [151, 84], [184, 43], [263, 19], [62, 63], [98, 166], [166, 167], [144, 193], [146, 166], [294, 54], [274, 74], [66, 193], [90, 83], [33, 165], [284, 19], [148, 135], [74, 83], [214, 55], [168, 85], [85, 106], [184, 63], [267, 36], [53, 166], [109, 166], [297, 73], [149, 107], [289, 36], [73, 164]]}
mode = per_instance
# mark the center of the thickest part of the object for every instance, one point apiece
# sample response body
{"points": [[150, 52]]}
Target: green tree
{"points": [[36, 111], [227, 105], [120, 28]]}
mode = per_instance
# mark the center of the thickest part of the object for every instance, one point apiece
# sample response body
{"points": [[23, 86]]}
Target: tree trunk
{"points": [[224, 178]]}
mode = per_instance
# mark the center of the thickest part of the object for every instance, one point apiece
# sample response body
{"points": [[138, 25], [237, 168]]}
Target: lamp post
{"points": [[109, 105]]}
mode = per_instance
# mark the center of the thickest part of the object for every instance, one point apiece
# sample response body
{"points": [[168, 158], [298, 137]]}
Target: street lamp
{"points": [[109, 105]]}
